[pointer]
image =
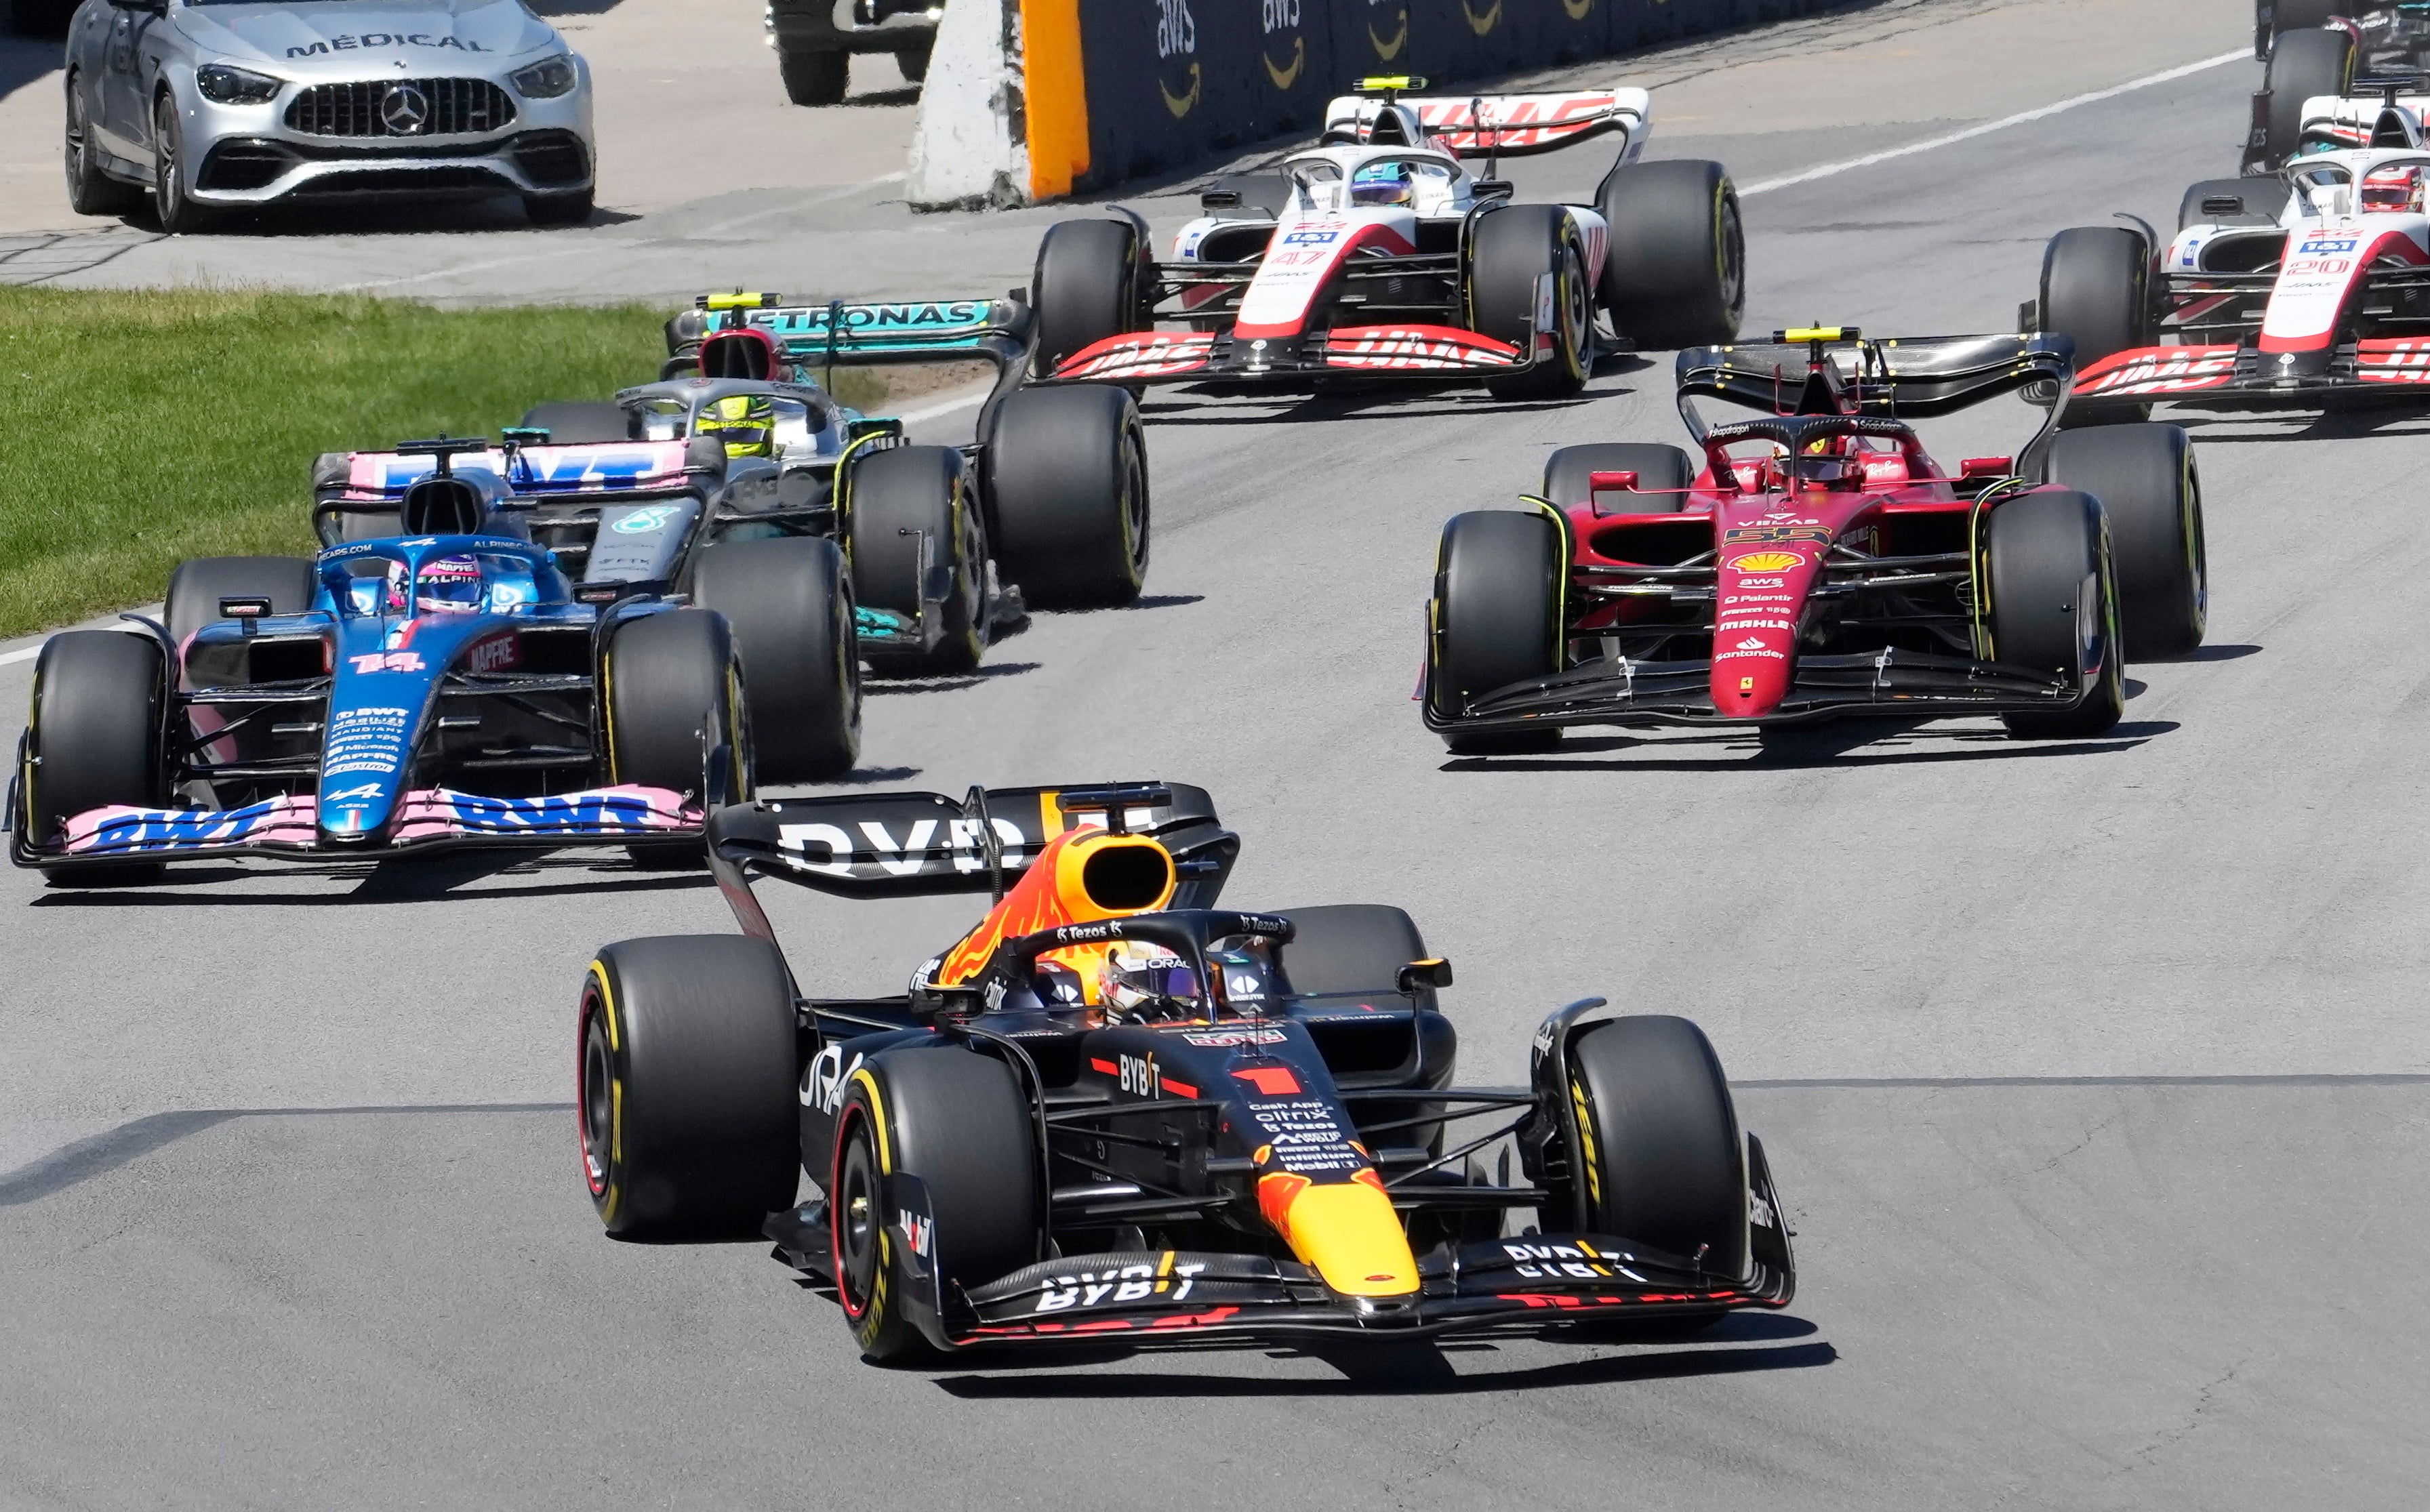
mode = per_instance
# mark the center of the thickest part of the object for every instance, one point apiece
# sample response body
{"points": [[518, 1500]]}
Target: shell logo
{"points": [[1767, 561]]}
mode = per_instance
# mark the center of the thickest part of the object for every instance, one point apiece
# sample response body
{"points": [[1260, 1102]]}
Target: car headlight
{"points": [[546, 79], [236, 86]]}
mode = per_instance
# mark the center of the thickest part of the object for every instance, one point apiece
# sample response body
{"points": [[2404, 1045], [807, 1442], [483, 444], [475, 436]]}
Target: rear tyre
{"points": [[1663, 475], [2258, 202], [2096, 290], [581, 421], [1084, 289], [90, 191], [958, 1121], [1675, 272], [96, 741], [2145, 478], [898, 497], [2303, 63], [674, 688], [791, 608], [197, 588], [684, 1090], [1512, 252], [1497, 620], [1068, 492], [2054, 607], [1352, 947], [814, 78], [1662, 1158]]}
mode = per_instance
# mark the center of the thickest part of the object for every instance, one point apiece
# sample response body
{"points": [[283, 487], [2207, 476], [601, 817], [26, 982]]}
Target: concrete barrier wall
{"points": [[1029, 100]]}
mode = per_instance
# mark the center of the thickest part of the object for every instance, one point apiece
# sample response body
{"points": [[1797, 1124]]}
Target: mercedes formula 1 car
{"points": [[408, 694], [947, 544], [1817, 561], [2299, 289], [1375, 255], [1114, 1110], [2316, 48]]}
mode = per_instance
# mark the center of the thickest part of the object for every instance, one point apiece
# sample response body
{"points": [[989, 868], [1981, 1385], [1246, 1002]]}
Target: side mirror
{"points": [[246, 610], [2222, 204], [1987, 467], [861, 430], [1612, 482], [1417, 974], [1220, 199], [1487, 189]]}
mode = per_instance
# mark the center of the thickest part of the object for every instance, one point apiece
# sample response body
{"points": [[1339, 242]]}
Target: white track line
{"points": [[1829, 170]]}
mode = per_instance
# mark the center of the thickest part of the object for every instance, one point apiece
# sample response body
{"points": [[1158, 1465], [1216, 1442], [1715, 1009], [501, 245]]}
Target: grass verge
{"points": [[143, 427]]}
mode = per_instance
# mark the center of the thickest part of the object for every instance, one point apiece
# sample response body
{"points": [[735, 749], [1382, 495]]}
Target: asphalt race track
{"points": [[2094, 1073]]}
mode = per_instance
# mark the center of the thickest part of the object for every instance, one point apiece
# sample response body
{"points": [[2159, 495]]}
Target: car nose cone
{"points": [[405, 110]]}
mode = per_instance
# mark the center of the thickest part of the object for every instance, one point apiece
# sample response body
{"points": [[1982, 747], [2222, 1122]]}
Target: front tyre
{"points": [[814, 78], [791, 606], [1675, 272], [1068, 490], [1495, 621], [1663, 477], [2145, 478], [1661, 1158], [684, 1089], [674, 688], [96, 741], [910, 507], [172, 199], [2054, 608], [1085, 287], [1513, 252]]}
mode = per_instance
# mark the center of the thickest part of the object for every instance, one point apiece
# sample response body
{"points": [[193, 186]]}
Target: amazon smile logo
{"points": [[1285, 77], [1181, 104], [1481, 24], [1387, 51]]}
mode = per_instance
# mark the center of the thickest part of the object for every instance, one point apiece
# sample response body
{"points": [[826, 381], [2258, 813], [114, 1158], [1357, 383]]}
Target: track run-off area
{"points": [[2094, 1072]]}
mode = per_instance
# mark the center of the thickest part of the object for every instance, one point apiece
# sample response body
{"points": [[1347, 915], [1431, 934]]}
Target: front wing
{"points": [[1620, 692], [1397, 351], [427, 819], [2247, 377]]}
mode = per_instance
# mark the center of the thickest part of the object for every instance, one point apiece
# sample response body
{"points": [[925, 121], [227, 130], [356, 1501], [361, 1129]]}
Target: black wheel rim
{"points": [[598, 1106], [1732, 257], [75, 139], [857, 1222], [848, 658], [164, 154], [1575, 314], [2197, 549], [1135, 504]]}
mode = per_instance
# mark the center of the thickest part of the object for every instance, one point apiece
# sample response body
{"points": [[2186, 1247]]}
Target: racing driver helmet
{"points": [[747, 423], [1384, 183], [449, 585], [2394, 188], [1143, 981]]}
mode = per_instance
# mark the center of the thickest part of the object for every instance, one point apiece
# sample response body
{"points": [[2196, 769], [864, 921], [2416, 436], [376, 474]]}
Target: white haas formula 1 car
{"points": [[2299, 289], [1376, 254]]}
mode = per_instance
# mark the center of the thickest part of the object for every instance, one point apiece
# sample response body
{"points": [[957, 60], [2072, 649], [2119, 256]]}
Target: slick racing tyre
{"points": [[1663, 475], [172, 203], [90, 191], [2302, 64], [2145, 478], [581, 421], [814, 78], [684, 1093], [1360, 948], [1659, 1157], [2055, 605], [1675, 272], [1510, 255], [1084, 289], [2257, 202], [791, 606], [197, 588], [1497, 620], [1068, 495], [97, 739], [673, 688], [2096, 290], [911, 510], [958, 1121]]}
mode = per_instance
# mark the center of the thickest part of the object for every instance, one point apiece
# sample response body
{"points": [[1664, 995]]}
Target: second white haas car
{"points": [[2299, 290], [1376, 254]]}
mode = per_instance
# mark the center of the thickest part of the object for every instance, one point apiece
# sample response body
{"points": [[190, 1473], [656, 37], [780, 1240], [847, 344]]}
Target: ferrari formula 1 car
{"points": [[1113, 1109], [441, 689], [2297, 291], [1817, 561], [1375, 255]]}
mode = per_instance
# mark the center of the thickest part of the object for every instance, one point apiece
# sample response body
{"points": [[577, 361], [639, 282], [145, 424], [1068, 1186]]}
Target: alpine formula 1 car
{"points": [[1817, 561], [1048, 505], [1375, 255], [391, 695], [2299, 289], [1113, 1111]]}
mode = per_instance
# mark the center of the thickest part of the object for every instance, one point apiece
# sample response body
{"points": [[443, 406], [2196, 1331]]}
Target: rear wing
{"points": [[1834, 370], [1485, 125], [841, 335], [597, 467], [922, 845]]}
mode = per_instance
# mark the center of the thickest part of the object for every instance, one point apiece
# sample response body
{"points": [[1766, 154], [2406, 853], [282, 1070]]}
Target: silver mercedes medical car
{"points": [[215, 103]]}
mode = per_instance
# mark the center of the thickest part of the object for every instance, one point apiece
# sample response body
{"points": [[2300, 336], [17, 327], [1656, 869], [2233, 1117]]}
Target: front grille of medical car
{"points": [[449, 106]]}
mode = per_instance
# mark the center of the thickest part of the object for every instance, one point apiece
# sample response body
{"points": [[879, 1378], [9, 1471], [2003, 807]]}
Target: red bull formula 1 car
{"points": [[1375, 255], [1114, 1110], [1817, 561]]}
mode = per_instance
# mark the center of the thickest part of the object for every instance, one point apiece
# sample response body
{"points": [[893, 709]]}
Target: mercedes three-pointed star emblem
{"points": [[405, 109]]}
